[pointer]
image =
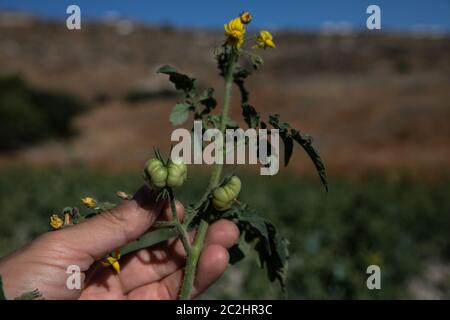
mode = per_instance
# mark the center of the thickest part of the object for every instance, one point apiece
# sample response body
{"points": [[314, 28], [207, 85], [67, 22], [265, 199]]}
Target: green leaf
{"points": [[272, 248], [181, 81], [306, 142], [283, 128], [2, 293], [255, 226], [236, 254], [278, 266], [179, 113], [288, 148], [255, 59], [239, 77], [207, 99], [222, 55], [251, 116], [274, 120]]}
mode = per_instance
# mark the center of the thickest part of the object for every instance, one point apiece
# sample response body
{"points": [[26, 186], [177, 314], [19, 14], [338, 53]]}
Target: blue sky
{"points": [[309, 14]]}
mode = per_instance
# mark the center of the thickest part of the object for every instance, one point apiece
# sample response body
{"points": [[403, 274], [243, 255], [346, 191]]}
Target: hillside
{"points": [[372, 101]]}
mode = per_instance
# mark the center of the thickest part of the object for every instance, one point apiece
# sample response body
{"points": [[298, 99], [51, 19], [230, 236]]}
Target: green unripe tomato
{"points": [[177, 173], [233, 186], [220, 199], [159, 176], [156, 173], [224, 196]]}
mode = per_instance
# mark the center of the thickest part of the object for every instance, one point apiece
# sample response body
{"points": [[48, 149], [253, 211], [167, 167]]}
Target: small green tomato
{"points": [[159, 176], [156, 173], [177, 173], [224, 196]]}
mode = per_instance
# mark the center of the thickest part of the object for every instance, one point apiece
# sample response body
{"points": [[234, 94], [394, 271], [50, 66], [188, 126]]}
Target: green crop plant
{"points": [[220, 198]]}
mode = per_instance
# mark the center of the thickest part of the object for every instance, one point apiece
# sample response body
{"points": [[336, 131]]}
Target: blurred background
{"points": [[80, 111]]}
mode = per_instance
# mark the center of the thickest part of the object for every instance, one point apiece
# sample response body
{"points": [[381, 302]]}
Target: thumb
{"points": [[110, 230]]}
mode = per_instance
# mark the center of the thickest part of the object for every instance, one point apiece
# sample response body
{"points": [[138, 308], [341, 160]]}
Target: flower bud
{"points": [[246, 17]]}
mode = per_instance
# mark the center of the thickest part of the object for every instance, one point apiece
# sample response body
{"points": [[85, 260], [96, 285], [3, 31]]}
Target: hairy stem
{"points": [[196, 249], [191, 264], [181, 229], [217, 169]]}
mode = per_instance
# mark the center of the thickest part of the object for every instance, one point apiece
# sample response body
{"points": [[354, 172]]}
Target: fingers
{"points": [[153, 264], [110, 230], [212, 264]]}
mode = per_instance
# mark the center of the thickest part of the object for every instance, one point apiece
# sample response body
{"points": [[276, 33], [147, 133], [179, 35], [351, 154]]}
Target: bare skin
{"points": [[151, 273]]}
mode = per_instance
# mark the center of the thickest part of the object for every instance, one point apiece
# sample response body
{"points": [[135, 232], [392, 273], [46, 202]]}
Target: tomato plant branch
{"points": [[217, 169], [192, 260], [181, 228]]}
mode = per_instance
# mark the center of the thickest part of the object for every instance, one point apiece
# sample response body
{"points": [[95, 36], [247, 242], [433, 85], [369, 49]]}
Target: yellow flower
{"points": [[265, 40], [234, 31], [112, 260], [89, 202], [245, 17], [56, 222]]}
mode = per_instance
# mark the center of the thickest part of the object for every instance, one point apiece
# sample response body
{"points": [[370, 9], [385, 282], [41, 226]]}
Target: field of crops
{"points": [[396, 222]]}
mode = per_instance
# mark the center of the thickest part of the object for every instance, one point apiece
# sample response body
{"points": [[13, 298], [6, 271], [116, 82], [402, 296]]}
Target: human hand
{"points": [[150, 273]]}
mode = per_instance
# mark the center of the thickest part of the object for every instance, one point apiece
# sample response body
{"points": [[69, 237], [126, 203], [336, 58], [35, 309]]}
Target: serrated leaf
{"points": [[179, 113], [272, 248], [255, 59], [251, 116], [274, 120], [306, 142], [283, 128], [288, 148], [256, 226], [239, 77], [221, 56], [207, 99], [279, 260], [181, 81], [236, 254]]}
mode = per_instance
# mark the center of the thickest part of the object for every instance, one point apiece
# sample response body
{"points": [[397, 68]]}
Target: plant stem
{"points": [[181, 229], [217, 169], [191, 263], [196, 249]]}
